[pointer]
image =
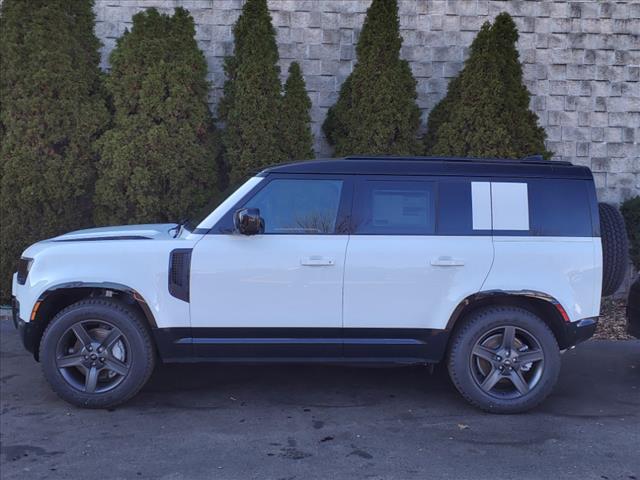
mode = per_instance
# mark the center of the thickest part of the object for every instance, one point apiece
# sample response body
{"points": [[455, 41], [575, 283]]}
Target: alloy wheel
{"points": [[93, 356], [507, 362]]}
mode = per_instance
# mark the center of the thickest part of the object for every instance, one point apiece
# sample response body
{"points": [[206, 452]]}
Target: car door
{"points": [[413, 256], [278, 293]]}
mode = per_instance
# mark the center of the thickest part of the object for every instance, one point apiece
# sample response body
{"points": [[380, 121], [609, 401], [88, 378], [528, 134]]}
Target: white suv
{"points": [[493, 266]]}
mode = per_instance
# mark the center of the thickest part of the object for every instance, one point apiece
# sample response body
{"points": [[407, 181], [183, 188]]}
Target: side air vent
{"points": [[24, 265], [179, 272]]}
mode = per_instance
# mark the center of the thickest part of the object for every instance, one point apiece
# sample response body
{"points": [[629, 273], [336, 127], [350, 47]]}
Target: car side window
{"points": [[559, 208], [455, 209], [395, 207], [298, 206]]}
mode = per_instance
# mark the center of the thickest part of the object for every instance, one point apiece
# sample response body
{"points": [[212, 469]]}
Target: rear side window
{"points": [[559, 208], [528, 207], [455, 209], [395, 207], [298, 206]]}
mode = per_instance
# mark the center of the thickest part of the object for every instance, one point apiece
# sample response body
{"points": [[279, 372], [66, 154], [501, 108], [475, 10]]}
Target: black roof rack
{"points": [[533, 158], [536, 159], [415, 166]]}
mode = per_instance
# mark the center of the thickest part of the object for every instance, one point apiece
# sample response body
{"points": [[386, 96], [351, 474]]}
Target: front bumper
{"points": [[578, 332], [28, 332]]}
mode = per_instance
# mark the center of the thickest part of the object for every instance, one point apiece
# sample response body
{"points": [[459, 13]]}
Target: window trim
{"points": [[225, 226]]}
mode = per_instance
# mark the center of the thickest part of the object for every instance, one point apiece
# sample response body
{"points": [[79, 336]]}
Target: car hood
{"points": [[124, 232]]}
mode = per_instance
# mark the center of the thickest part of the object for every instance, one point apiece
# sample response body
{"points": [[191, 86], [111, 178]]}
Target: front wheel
{"points": [[504, 360], [97, 353]]}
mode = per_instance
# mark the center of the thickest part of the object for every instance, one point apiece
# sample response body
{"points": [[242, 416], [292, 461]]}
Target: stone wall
{"points": [[581, 62]]}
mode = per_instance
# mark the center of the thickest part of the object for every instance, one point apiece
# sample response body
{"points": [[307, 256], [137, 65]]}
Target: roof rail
{"points": [[535, 159]]}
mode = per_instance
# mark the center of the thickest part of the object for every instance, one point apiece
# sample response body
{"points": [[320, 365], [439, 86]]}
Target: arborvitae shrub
{"points": [[51, 111], [486, 110], [441, 113], [251, 106], [472, 127], [631, 213], [376, 112], [296, 135], [527, 137], [158, 162]]}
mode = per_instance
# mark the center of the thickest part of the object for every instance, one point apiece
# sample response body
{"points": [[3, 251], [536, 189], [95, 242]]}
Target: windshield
{"points": [[216, 200]]}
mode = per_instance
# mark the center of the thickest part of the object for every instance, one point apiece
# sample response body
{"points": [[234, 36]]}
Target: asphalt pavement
{"points": [[316, 422]]}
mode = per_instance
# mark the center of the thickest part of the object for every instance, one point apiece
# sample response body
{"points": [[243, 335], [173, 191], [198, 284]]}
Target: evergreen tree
{"points": [[251, 106], [472, 127], [51, 111], [297, 138], [486, 110], [158, 162], [441, 112], [376, 112], [527, 137]]}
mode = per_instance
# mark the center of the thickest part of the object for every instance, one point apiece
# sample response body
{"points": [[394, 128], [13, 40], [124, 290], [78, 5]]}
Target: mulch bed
{"points": [[613, 320]]}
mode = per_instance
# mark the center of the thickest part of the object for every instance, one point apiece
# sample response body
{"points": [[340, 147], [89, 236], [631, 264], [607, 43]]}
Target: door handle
{"points": [[316, 261], [447, 262]]}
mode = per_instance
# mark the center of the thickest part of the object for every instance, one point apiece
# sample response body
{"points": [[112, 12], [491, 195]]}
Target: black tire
{"points": [[469, 371], [615, 248], [109, 365]]}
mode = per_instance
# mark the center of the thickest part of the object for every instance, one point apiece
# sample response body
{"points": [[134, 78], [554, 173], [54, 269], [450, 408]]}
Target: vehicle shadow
{"points": [[298, 384], [596, 381]]}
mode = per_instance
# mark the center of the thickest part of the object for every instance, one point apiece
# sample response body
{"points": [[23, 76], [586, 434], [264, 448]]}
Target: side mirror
{"points": [[248, 221]]}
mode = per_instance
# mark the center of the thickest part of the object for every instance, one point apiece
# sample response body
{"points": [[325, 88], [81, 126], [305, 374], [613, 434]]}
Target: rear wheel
{"points": [[504, 360], [97, 353]]}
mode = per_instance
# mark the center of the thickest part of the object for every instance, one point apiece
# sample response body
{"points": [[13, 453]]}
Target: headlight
{"points": [[24, 265]]}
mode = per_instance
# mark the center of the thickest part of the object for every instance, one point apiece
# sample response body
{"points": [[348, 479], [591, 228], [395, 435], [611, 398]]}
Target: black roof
{"points": [[475, 167]]}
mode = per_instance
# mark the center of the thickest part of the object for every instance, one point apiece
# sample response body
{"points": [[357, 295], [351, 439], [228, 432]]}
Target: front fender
{"points": [[140, 266]]}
